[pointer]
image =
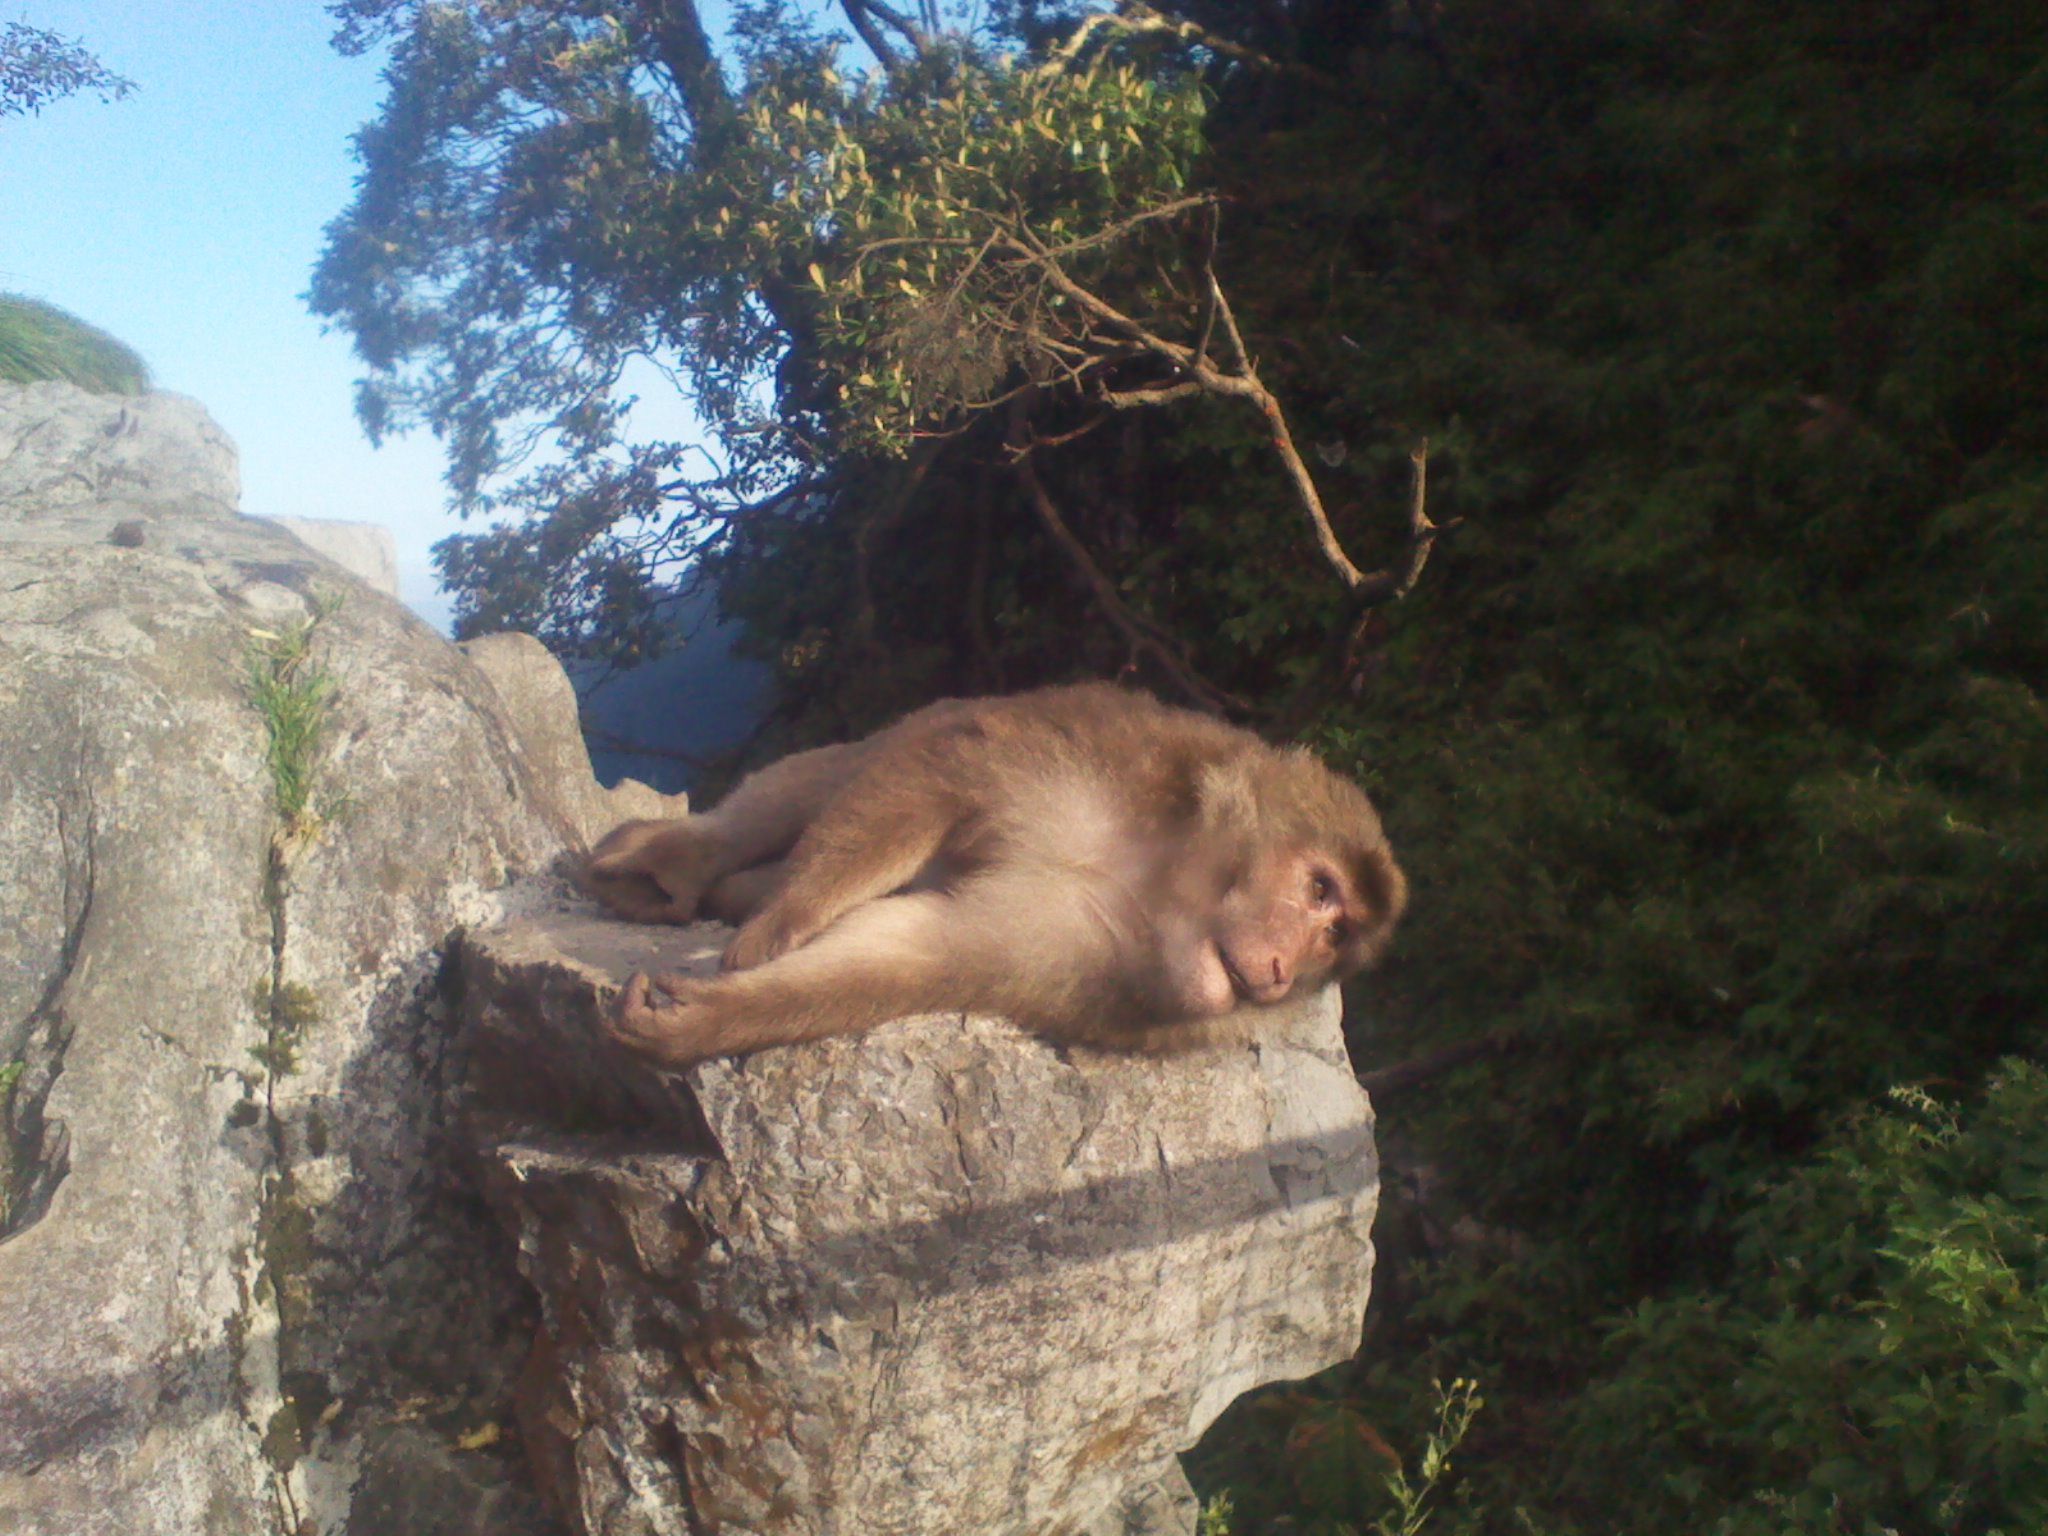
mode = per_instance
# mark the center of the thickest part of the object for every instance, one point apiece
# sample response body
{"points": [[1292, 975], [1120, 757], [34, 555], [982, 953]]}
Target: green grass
{"points": [[295, 697], [39, 341]]}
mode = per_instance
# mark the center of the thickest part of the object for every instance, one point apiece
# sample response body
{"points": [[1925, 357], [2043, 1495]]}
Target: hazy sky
{"points": [[186, 219]]}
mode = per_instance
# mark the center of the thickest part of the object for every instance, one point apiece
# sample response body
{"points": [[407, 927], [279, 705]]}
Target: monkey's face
{"points": [[1276, 920]]}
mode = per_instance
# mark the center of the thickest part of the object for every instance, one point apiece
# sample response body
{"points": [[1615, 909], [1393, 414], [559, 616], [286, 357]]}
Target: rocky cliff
{"points": [[320, 1214]]}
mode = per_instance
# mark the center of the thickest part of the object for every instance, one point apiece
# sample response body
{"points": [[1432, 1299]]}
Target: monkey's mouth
{"points": [[1238, 983]]}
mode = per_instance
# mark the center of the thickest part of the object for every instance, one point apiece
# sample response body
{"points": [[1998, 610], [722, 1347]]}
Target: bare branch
{"points": [[1388, 1081], [864, 24], [1398, 580], [1143, 637], [863, 14], [1211, 292], [1163, 394], [1135, 19], [684, 48], [912, 33], [1111, 233]]}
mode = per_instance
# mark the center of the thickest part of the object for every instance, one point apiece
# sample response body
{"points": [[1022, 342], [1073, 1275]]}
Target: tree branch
{"points": [[1143, 637], [1384, 1082], [863, 14], [864, 25], [1135, 19], [684, 49]]}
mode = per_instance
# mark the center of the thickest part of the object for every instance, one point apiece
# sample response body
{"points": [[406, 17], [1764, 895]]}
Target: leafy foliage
{"points": [[39, 66], [927, 202], [1715, 751], [1880, 1357], [829, 263], [1340, 1478], [1714, 745], [294, 695]]}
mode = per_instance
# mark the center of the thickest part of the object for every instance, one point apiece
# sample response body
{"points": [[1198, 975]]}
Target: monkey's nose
{"points": [[1255, 980]]}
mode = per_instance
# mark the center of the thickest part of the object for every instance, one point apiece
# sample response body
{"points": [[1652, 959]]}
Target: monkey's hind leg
{"points": [[881, 961], [871, 839], [744, 892], [660, 871]]}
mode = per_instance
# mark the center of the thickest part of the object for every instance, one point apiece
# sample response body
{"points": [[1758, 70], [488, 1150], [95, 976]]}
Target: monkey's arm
{"points": [[883, 960], [661, 871]]}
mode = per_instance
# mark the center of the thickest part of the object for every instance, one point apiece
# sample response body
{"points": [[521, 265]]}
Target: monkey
{"points": [[1092, 864]]}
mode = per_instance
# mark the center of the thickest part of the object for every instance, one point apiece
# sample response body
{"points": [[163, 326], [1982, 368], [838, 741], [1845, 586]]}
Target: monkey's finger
{"points": [[633, 995], [659, 1017], [636, 1019], [672, 986]]}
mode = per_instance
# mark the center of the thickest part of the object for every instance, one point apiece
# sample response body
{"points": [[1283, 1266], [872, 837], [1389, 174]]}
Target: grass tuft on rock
{"points": [[40, 342]]}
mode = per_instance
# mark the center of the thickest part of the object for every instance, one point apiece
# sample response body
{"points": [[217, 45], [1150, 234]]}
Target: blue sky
{"points": [[185, 220]]}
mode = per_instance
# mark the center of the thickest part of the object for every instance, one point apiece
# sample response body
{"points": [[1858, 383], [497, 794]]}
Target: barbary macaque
{"points": [[1084, 860]]}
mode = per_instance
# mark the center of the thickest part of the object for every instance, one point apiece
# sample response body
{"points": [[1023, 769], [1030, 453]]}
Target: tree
{"points": [[1715, 757], [38, 67], [855, 275]]}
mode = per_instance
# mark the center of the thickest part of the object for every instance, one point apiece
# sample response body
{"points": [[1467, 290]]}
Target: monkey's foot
{"points": [[664, 1018]]}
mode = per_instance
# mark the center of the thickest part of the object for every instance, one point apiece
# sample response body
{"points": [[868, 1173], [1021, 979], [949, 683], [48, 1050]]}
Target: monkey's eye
{"points": [[1322, 889]]}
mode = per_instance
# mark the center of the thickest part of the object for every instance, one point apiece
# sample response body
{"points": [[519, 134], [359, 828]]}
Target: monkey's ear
{"points": [[1381, 885]]}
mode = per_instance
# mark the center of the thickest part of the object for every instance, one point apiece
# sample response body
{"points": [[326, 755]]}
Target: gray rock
{"points": [[944, 1277], [228, 1278], [367, 551], [154, 455], [538, 693]]}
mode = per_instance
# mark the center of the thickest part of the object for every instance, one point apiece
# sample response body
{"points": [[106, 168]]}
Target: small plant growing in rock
{"points": [[10, 1074], [289, 1010], [295, 697]]}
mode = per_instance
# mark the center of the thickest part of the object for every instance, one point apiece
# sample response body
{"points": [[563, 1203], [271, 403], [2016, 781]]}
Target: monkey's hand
{"points": [[664, 1018], [770, 933], [650, 871]]}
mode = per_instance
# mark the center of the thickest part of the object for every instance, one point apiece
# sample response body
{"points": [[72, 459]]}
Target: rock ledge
{"points": [[945, 1277]]}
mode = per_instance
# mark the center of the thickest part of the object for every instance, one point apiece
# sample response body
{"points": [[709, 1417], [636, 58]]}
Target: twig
{"points": [[1387, 1081], [857, 12], [611, 741], [1134, 19], [1239, 379], [1143, 637]]}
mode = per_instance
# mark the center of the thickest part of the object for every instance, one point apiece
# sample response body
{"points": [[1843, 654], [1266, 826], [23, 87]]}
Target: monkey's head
{"points": [[1287, 883]]}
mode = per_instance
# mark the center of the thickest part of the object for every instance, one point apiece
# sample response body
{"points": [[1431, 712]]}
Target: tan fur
{"points": [[1085, 860]]}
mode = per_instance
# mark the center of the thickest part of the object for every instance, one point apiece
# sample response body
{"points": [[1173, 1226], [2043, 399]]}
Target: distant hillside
{"points": [[689, 705], [39, 341]]}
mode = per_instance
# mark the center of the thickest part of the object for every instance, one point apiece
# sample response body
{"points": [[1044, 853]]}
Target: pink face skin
{"points": [[1283, 920]]}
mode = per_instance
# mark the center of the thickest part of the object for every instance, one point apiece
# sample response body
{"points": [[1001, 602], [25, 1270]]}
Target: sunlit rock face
{"points": [[943, 1277], [245, 1285]]}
